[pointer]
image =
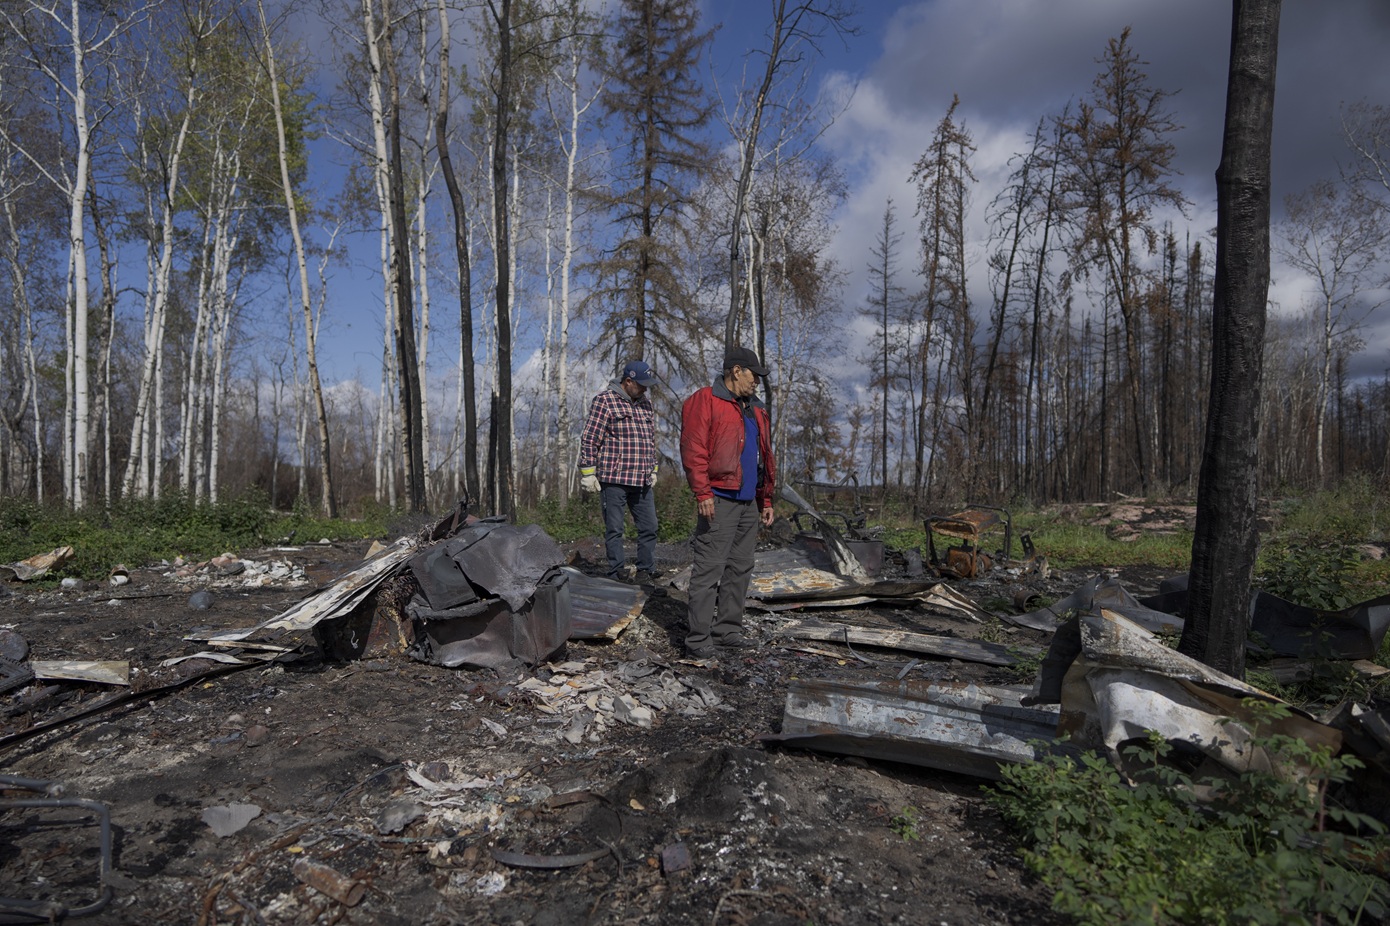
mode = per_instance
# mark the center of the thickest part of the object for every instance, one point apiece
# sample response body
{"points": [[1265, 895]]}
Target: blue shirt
{"points": [[747, 464]]}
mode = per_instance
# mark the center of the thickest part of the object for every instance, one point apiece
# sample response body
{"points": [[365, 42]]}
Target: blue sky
{"points": [[1013, 62]]}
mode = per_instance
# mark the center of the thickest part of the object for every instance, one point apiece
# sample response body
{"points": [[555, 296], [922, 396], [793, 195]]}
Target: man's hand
{"points": [[587, 480], [767, 516], [705, 507]]}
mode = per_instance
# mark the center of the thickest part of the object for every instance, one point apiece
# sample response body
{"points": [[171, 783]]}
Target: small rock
{"points": [[200, 601], [398, 815], [256, 734], [13, 646]]}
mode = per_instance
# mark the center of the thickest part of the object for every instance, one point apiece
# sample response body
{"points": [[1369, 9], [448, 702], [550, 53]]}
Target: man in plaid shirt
{"points": [[617, 460]]}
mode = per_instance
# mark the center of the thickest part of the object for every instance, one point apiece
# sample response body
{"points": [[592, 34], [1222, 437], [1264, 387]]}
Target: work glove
{"points": [[587, 480], [656, 468]]}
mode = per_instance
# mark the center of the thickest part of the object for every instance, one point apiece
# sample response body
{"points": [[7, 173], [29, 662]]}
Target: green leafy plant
{"points": [[1027, 663], [1310, 572], [904, 823], [1264, 850]]}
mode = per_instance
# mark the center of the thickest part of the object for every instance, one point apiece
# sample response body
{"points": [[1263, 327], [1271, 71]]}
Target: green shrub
{"points": [[905, 823], [136, 532], [582, 517], [1262, 851], [1318, 572], [1354, 509]]}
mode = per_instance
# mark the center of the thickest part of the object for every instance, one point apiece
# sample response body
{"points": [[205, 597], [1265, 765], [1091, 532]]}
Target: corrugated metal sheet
{"points": [[601, 608], [956, 727]]}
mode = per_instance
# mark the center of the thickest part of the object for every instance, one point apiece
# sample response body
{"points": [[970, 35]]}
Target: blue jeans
{"points": [[617, 500], [722, 572]]}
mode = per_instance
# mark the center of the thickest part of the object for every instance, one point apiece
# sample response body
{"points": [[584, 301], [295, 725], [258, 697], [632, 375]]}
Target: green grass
{"points": [[1067, 544], [138, 532]]}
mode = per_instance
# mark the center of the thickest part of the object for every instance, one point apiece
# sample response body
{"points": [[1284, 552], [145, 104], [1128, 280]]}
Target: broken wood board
{"points": [[113, 672], [993, 654], [952, 726], [1289, 671]]}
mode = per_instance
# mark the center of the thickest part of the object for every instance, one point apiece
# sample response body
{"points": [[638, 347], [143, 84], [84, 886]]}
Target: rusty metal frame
{"points": [[972, 527], [853, 522], [23, 910]]}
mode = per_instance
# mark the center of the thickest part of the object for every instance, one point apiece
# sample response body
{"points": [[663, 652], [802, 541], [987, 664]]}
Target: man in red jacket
{"points": [[726, 449]]}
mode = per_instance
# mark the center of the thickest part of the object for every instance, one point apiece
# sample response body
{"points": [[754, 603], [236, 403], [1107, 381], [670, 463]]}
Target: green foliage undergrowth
{"points": [[141, 531], [1263, 850], [582, 516], [1314, 557]]}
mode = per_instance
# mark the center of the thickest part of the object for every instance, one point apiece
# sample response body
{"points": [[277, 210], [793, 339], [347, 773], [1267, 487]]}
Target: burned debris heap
{"points": [[919, 660]]}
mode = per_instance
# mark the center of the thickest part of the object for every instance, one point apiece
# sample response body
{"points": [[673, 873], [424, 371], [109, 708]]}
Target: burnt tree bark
{"points": [[1226, 538]]}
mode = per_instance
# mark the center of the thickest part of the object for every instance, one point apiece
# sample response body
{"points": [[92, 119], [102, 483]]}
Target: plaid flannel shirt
{"points": [[619, 438]]}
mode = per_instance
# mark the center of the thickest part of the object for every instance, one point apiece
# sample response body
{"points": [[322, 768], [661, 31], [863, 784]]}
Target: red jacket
{"points": [[712, 437]]}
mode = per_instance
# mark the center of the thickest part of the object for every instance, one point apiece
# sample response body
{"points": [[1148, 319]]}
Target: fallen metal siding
{"points": [[346, 593], [955, 727], [601, 609], [994, 654]]}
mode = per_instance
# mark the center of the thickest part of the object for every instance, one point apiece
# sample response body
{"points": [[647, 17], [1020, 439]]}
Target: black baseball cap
{"points": [[743, 357]]}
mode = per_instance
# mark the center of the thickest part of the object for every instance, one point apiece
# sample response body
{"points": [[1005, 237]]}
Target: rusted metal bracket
{"points": [[23, 910]]}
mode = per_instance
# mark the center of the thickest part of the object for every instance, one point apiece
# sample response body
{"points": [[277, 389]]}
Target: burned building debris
{"points": [[955, 727], [512, 686]]}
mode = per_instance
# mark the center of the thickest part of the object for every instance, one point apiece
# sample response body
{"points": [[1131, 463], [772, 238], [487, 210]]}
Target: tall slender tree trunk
{"points": [[328, 502], [77, 428], [501, 217], [472, 485], [407, 360], [1226, 536]]}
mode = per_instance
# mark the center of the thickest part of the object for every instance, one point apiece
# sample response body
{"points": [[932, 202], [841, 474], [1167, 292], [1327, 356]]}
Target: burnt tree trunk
{"points": [[1226, 539]]}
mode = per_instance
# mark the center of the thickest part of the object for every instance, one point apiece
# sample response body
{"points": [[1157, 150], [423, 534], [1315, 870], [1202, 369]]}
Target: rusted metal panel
{"points": [[955, 727], [601, 608], [994, 654], [789, 572], [1115, 682], [1096, 593], [102, 672], [966, 525], [36, 566], [843, 559], [795, 575]]}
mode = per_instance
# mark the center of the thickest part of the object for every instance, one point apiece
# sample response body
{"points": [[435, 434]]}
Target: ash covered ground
{"points": [[393, 791]]}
